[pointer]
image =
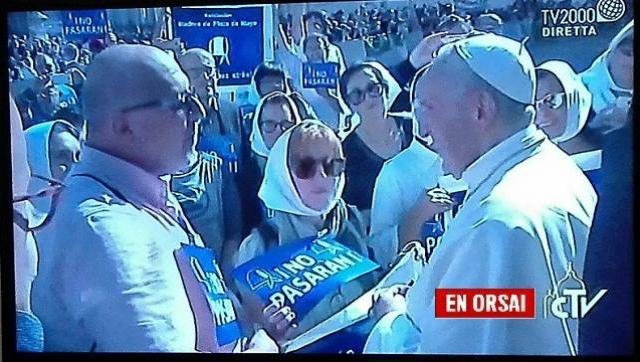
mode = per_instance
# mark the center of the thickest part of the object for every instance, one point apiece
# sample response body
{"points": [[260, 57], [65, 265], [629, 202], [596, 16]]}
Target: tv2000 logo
{"points": [[572, 22]]}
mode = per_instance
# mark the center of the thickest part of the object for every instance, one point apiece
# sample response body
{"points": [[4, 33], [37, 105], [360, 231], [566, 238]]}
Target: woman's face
{"points": [[64, 151], [621, 64], [365, 94], [551, 106], [274, 120], [315, 166]]}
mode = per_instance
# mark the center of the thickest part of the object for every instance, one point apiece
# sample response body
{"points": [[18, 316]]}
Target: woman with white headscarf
{"points": [[563, 104], [276, 112], [52, 148], [302, 187], [610, 81], [377, 135]]}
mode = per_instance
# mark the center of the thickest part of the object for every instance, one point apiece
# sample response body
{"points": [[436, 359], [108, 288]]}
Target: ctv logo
{"points": [[571, 294]]}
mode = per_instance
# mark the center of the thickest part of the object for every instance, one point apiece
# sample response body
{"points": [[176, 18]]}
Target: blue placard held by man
{"points": [[320, 75], [299, 275], [216, 321], [83, 25]]}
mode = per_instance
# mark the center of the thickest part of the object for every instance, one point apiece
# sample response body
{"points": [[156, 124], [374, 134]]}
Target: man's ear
{"points": [[121, 125], [486, 108]]}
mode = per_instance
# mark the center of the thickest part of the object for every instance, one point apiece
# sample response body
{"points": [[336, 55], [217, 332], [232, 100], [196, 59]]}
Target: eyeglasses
{"points": [[553, 101], [209, 72], [306, 167], [356, 96], [271, 126], [53, 190], [185, 101]]}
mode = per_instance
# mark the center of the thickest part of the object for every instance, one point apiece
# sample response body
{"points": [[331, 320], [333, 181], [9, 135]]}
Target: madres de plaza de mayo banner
{"points": [[233, 35]]}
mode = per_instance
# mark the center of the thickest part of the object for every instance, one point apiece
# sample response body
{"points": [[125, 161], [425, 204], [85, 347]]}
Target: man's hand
{"points": [[434, 201], [389, 299], [425, 51], [261, 343]]}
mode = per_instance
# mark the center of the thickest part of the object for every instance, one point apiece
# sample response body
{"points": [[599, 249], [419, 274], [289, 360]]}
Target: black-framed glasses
{"points": [[271, 126], [210, 72], [356, 96], [306, 167], [552, 101], [185, 101]]}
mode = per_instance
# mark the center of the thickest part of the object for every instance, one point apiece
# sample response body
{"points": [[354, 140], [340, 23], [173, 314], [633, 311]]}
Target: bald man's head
{"points": [[200, 67], [138, 108], [124, 76]]}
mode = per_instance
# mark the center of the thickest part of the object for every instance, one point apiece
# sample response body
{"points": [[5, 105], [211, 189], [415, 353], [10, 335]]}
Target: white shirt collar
{"points": [[130, 180], [486, 164]]}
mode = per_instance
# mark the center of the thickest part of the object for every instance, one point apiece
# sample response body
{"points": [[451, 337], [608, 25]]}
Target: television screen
{"points": [[361, 177]]}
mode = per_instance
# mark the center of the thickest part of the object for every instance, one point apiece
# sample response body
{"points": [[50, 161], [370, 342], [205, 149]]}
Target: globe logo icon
{"points": [[610, 10]]}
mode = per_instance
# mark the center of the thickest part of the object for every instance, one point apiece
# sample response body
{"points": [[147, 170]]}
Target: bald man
{"points": [[526, 218], [222, 115], [108, 278]]}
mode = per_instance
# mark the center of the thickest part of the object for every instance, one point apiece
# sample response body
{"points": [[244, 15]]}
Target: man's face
{"points": [[203, 77], [316, 50], [270, 84], [45, 67], [443, 113], [165, 134]]}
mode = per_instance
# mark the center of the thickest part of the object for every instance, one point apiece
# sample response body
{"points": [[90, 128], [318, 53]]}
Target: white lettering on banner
{"points": [[312, 273], [222, 310], [84, 29]]}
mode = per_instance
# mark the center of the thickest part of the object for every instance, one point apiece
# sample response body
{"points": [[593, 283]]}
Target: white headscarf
{"points": [[278, 191], [598, 79], [257, 141], [394, 91], [37, 138], [577, 97]]}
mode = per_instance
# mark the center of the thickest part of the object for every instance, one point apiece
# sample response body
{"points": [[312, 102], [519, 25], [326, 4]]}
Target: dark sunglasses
{"points": [[306, 168], [553, 101], [271, 126], [356, 96], [185, 101]]}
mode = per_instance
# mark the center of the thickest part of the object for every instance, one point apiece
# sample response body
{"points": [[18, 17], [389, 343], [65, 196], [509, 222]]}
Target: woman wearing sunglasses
{"points": [[378, 135], [303, 183], [276, 112], [562, 106]]}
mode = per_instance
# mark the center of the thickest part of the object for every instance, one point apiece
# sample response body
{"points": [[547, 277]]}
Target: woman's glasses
{"points": [[356, 96], [53, 190], [306, 167], [552, 101], [271, 126]]}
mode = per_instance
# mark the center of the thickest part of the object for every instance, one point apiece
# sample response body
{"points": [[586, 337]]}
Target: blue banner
{"points": [[83, 25], [199, 267], [301, 274], [233, 35], [320, 75]]}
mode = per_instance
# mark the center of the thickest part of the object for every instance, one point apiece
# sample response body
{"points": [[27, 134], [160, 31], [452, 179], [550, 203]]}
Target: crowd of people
{"points": [[124, 154]]}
